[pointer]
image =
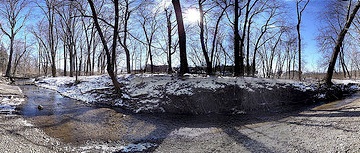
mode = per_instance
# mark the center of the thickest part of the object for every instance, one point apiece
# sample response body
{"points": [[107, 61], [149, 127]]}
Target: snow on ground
{"points": [[337, 81], [66, 86], [149, 89], [10, 97], [138, 147], [8, 104]]}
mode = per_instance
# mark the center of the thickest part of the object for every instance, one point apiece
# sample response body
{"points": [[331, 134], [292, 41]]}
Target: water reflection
{"points": [[52, 102], [58, 113]]}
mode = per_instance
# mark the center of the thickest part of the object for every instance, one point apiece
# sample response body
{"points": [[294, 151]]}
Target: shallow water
{"points": [[52, 102], [339, 104], [57, 113], [74, 122]]}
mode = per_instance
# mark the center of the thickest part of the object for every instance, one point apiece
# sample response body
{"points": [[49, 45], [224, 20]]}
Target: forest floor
{"points": [[330, 127]]}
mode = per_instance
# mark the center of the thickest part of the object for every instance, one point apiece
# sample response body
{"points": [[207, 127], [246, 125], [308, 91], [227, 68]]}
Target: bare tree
{"points": [[300, 7], [149, 24], [20, 48], [67, 13], [339, 42], [50, 13], [220, 9], [202, 39], [169, 27], [269, 21], [12, 12], [110, 55], [126, 12]]}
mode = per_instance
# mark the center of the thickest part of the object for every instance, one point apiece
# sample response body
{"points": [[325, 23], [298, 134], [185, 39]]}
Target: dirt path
{"points": [[322, 129]]}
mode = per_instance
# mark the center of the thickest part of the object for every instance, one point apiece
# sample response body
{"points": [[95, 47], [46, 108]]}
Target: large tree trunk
{"points": [[338, 45], [236, 40], [182, 38]]}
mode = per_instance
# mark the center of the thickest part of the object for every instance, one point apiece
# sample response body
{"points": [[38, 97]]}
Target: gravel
{"points": [[18, 135]]}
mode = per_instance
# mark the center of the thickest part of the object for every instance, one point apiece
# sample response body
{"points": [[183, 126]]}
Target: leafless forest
{"points": [[224, 37]]}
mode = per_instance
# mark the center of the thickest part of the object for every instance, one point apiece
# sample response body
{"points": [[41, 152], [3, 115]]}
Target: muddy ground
{"points": [[331, 127], [328, 128]]}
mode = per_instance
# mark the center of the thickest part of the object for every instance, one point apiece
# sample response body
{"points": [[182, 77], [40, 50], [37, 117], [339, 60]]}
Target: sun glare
{"points": [[192, 15], [165, 3]]}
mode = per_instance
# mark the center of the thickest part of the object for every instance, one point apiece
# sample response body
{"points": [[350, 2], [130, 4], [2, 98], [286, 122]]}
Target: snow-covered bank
{"points": [[10, 98], [189, 94]]}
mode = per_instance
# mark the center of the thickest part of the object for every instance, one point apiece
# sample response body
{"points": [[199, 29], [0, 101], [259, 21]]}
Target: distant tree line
{"points": [[86, 37]]}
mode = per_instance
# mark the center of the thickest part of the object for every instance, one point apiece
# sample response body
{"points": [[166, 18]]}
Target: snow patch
{"points": [[104, 148], [138, 147], [345, 82], [133, 147], [8, 104], [26, 123]]}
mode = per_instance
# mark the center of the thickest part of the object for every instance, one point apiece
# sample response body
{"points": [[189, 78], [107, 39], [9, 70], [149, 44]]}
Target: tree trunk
{"points": [[338, 45], [202, 40], [242, 39], [123, 43], [151, 58], [236, 40], [169, 30], [110, 60], [299, 12], [8, 68], [65, 59], [184, 68], [52, 39], [299, 50], [248, 69]]}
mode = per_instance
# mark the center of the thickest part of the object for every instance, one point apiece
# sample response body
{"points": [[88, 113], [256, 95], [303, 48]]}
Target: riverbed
{"points": [[90, 128]]}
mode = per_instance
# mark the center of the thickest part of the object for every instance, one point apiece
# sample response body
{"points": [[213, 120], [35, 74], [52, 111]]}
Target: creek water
{"points": [[52, 103], [57, 113], [77, 123]]}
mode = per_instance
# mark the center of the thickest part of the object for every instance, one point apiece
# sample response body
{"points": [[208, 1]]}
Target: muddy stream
{"points": [[74, 122], [77, 123]]}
